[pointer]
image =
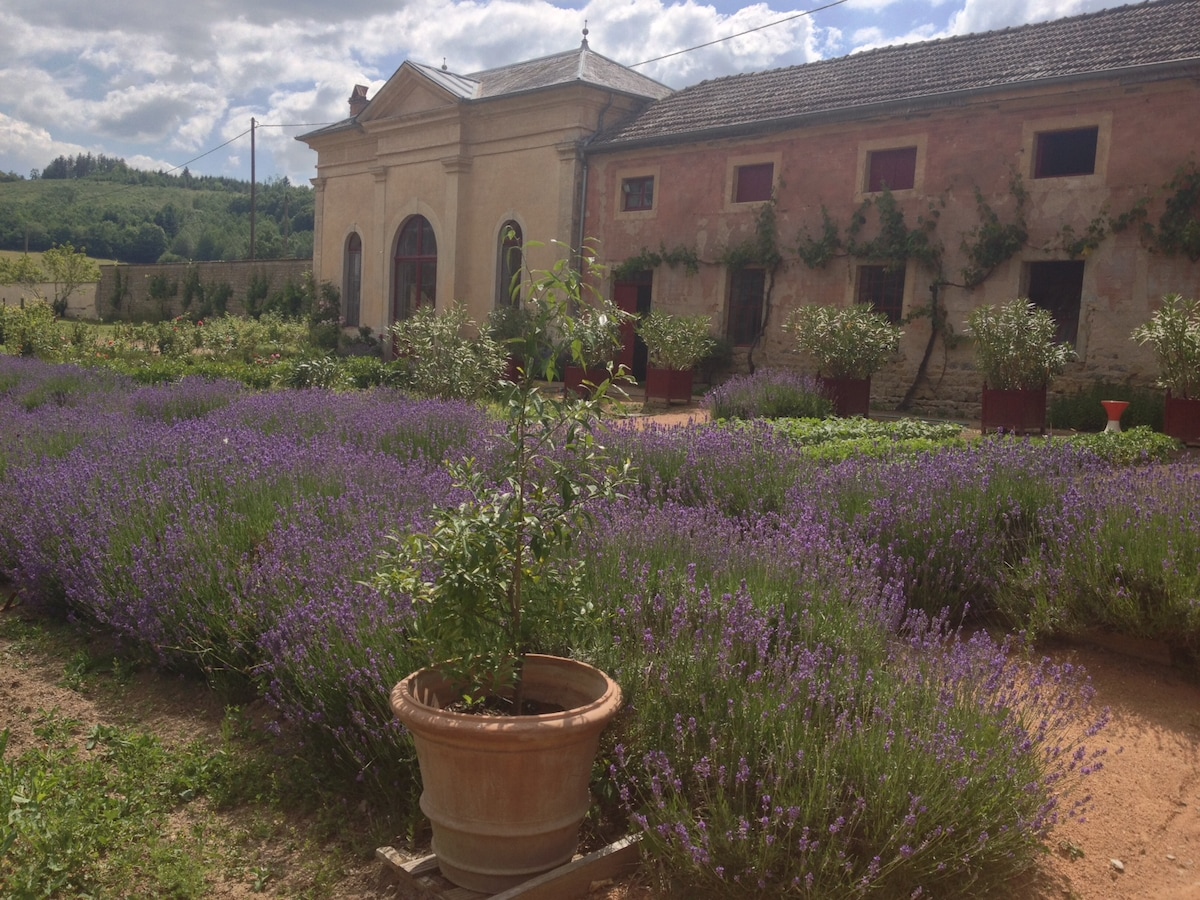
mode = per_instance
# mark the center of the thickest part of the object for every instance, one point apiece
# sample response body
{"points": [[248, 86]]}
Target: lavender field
{"points": [[822, 700]]}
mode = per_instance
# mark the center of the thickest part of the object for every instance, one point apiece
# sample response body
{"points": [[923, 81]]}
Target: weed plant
{"points": [[86, 813]]}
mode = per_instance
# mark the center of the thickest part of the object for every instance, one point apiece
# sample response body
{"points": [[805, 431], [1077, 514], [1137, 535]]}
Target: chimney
{"points": [[358, 99]]}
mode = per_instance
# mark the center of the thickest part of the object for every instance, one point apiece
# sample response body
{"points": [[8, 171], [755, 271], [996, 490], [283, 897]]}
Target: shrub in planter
{"points": [[591, 339], [845, 342], [676, 342], [674, 345], [1017, 355], [849, 344], [1015, 347], [1174, 334]]}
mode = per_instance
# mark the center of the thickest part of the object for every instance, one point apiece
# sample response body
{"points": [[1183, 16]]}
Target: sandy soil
{"points": [[1145, 817]]}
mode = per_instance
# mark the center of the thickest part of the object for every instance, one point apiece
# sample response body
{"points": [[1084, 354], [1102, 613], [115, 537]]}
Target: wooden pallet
{"points": [[420, 879]]}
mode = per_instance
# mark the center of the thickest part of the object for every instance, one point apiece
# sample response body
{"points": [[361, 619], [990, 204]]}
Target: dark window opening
{"points": [[1061, 153], [508, 269], [882, 289], [1058, 287], [895, 170], [352, 293], [746, 290], [637, 194], [414, 269], [753, 182]]}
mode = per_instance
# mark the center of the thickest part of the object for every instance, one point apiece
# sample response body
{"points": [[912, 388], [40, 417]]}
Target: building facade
{"points": [[1054, 161], [429, 191]]}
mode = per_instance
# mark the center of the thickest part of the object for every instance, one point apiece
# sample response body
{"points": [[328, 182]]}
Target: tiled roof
{"points": [[1116, 39], [580, 65], [573, 66]]}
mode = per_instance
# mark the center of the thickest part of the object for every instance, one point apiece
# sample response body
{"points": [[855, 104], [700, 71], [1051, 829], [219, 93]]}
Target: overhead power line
{"points": [[798, 15]]}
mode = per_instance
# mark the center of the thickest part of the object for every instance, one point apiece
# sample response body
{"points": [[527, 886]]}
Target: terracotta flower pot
{"points": [[1019, 411], [506, 795], [669, 384], [850, 396]]}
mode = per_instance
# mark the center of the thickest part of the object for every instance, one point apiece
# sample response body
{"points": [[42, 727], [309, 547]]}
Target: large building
{"points": [[1055, 161], [422, 188]]}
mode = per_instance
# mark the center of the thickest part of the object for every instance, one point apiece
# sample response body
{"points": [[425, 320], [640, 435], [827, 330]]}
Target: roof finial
{"points": [[584, 44], [445, 68]]}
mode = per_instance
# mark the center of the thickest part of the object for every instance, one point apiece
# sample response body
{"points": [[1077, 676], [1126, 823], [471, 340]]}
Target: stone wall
{"points": [[134, 285]]}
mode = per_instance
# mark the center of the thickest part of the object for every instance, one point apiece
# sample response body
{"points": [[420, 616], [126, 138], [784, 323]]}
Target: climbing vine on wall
{"points": [[993, 241], [896, 243], [651, 259], [1178, 230], [762, 250]]}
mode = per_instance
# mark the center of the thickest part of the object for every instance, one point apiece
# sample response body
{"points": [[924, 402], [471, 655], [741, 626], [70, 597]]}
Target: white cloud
{"points": [[987, 15], [130, 78], [24, 147]]}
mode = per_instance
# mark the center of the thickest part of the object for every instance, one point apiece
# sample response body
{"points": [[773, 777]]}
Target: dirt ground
{"points": [[1141, 841]]}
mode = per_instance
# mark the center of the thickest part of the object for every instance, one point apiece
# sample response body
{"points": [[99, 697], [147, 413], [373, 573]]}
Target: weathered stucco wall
{"points": [[468, 169], [962, 149], [135, 284]]}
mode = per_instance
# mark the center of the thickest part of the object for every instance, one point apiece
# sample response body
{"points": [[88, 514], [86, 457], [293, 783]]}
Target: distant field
{"points": [[15, 254]]}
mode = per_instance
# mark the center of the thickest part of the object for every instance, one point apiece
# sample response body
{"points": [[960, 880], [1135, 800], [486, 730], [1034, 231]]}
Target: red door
{"points": [[633, 296]]}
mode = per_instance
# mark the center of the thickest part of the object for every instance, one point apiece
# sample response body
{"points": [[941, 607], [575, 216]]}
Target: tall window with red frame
{"points": [[414, 268], [352, 295]]}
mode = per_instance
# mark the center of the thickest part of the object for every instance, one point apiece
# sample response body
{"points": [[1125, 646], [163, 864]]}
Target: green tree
{"points": [[62, 268], [66, 269]]}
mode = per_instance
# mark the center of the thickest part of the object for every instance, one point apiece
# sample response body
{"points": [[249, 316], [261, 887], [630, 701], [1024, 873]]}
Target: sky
{"points": [[164, 88]]}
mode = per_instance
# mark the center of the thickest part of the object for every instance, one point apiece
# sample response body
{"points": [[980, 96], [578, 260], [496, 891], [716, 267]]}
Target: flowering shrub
{"points": [[1015, 347], [1174, 334], [845, 342], [762, 611]]}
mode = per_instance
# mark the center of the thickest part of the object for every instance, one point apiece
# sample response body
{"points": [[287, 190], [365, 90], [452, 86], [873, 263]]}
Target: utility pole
{"points": [[253, 188]]}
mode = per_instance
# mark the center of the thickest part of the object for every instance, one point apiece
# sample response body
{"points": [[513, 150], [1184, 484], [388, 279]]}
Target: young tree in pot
{"points": [[1017, 355], [674, 345], [1173, 332], [849, 344], [492, 581]]}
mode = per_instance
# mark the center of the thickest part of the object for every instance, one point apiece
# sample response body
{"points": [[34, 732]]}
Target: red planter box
{"points": [[669, 384], [1181, 419], [850, 396], [1021, 411], [575, 376]]}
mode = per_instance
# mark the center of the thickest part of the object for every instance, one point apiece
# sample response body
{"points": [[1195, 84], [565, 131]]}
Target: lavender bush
{"points": [[768, 394], [762, 610]]}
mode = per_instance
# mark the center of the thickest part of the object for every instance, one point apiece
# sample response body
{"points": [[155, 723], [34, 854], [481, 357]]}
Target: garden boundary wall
{"points": [[140, 288]]}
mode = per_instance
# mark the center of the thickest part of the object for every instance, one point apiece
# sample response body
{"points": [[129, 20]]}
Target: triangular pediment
{"points": [[414, 89]]}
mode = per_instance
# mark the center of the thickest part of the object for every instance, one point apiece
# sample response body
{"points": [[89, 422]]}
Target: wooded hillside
{"points": [[114, 212]]}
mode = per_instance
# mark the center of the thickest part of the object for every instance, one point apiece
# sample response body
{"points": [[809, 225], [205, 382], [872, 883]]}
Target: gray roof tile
{"points": [[1124, 37]]}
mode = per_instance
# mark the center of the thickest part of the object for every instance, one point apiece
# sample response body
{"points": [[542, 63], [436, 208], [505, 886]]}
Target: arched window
{"points": [[352, 289], [414, 269], [509, 264]]}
